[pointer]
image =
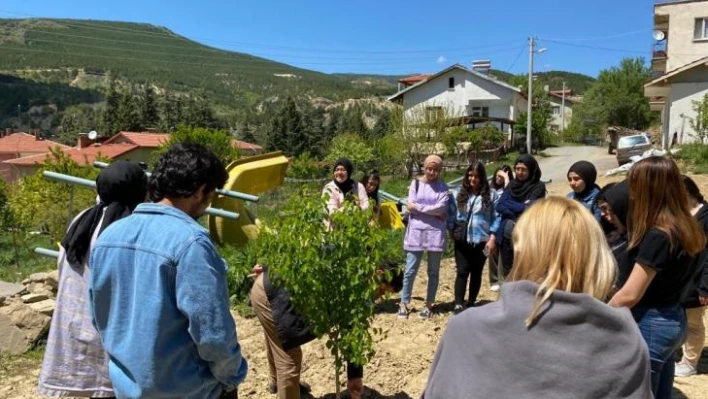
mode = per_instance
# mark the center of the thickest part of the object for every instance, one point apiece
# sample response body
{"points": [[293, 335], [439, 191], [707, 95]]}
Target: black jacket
{"points": [[293, 330], [699, 285]]}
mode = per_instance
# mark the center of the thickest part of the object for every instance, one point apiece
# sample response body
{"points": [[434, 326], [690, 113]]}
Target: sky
{"points": [[390, 37]]}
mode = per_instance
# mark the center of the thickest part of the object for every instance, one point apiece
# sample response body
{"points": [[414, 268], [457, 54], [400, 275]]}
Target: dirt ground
{"points": [[400, 368]]}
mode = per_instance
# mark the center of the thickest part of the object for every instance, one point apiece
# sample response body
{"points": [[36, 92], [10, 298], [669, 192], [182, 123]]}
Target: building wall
{"points": [[557, 119], [681, 48], [141, 154], [502, 102], [681, 108]]}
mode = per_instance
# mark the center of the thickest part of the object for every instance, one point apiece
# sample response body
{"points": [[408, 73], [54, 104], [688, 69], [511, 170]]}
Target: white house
{"points": [[469, 96], [680, 66], [562, 102]]}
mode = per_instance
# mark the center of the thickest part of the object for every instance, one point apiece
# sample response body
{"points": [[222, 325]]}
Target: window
{"points": [[480, 111], [451, 83], [434, 113], [556, 110], [701, 30], [631, 141]]}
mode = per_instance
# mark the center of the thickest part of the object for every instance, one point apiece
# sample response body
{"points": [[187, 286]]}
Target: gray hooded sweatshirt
{"points": [[578, 348]]}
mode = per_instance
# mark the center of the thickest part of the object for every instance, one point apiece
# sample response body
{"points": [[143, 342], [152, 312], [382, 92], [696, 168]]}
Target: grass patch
{"points": [[11, 366], [17, 257], [695, 157]]}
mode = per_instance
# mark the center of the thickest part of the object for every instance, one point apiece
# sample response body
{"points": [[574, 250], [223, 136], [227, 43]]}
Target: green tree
{"points": [[329, 273], [149, 116], [77, 119], [699, 124], [218, 141], [540, 117], [128, 118], [617, 97], [350, 145], [110, 113], [315, 132], [286, 131]]}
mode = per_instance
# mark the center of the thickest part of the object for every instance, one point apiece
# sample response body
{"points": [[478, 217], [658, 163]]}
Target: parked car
{"points": [[630, 146]]}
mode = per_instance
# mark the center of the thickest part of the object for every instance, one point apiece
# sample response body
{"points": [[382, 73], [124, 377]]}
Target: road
{"points": [[555, 166]]}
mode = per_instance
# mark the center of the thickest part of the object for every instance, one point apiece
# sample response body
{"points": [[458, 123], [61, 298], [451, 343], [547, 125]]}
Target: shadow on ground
{"points": [[370, 393]]}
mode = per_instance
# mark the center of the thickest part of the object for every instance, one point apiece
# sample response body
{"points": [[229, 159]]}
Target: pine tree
{"points": [[286, 131], [149, 117], [128, 117], [110, 114], [317, 139]]}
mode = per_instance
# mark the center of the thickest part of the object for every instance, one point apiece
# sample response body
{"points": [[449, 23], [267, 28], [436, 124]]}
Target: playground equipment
{"points": [[252, 175]]}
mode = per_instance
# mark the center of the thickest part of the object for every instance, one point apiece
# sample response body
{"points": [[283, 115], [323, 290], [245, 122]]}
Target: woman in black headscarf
{"points": [[581, 178], [519, 195], [344, 188], [75, 363], [613, 204]]}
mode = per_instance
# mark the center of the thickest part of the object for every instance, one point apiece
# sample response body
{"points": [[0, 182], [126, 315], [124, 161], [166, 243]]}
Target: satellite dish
{"points": [[92, 135], [659, 35]]}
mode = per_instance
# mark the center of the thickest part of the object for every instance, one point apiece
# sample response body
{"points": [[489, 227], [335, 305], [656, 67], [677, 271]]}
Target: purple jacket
{"points": [[427, 223]]}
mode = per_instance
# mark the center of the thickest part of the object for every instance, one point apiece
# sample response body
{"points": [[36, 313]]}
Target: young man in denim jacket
{"points": [[158, 289]]}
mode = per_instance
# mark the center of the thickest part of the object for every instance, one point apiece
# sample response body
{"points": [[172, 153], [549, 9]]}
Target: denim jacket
{"points": [[589, 200], [483, 222], [159, 300]]}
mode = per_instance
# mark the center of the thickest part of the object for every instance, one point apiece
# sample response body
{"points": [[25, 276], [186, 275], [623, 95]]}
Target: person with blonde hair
{"points": [[427, 205], [550, 329]]}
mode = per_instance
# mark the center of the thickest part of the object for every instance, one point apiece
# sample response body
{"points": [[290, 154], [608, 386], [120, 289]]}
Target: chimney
{"points": [[482, 66], [83, 140]]}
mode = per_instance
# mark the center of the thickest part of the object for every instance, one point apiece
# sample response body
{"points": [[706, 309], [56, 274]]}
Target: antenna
{"points": [[92, 135], [659, 35]]}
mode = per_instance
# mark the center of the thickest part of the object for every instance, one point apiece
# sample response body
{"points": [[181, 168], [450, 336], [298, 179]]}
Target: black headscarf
{"points": [[617, 197], [121, 187], [348, 185], [587, 172], [531, 188]]}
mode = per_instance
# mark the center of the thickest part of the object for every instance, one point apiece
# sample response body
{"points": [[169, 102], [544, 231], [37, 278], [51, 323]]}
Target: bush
{"points": [[352, 146], [306, 167], [218, 141]]}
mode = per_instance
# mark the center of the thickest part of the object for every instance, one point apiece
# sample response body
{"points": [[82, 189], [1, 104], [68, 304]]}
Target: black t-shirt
{"points": [[674, 268]]}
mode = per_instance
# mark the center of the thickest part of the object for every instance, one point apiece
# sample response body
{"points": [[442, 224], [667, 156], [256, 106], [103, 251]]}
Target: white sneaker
{"points": [[494, 287], [685, 370]]}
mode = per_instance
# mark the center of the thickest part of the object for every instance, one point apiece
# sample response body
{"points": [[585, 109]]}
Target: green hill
{"points": [[577, 82]]}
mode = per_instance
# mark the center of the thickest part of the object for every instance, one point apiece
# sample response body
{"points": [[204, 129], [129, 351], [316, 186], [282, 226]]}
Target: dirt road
{"points": [[555, 166]]}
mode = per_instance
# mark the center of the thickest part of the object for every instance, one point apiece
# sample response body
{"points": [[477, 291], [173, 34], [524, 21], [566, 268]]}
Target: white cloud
{"points": [[442, 59]]}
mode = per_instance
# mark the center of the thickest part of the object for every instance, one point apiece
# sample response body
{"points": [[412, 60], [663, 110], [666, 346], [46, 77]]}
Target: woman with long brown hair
{"points": [[664, 241], [550, 329]]}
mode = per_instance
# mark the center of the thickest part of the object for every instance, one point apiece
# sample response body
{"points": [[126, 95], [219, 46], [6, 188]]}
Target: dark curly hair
{"points": [[183, 169], [478, 169], [692, 189]]}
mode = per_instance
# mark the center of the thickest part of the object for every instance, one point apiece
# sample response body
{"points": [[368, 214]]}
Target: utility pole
{"points": [[530, 96], [563, 111]]}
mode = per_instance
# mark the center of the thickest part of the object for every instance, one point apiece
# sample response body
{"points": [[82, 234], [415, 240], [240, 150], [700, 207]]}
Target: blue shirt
{"points": [[483, 222], [589, 200], [159, 300]]}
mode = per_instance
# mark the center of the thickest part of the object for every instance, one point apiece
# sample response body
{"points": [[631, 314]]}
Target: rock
{"points": [[33, 323], [45, 307], [32, 298], [26, 281], [10, 289], [2, 300], [12, 340], [52, 279], [38, 277], [40, 288]]}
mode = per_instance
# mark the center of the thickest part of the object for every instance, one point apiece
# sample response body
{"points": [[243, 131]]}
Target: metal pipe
{"points": [[47, 252], [225, 193], [92, 184]]}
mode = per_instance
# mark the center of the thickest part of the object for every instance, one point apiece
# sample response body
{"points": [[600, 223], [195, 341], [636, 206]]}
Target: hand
{"points": [[410, 205], [703, 300], [491, 245], [257, 270], [355, 387]]}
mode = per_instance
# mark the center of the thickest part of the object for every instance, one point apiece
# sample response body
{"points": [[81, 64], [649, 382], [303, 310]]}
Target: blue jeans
{"points": [[412, 264], [664, 330]]}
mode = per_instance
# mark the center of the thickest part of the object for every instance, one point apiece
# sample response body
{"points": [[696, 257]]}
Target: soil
{"points": [[400, 367]]}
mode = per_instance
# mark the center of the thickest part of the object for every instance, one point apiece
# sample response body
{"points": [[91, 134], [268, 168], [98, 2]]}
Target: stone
{"points": [[45, 307], [10, 289], [32, 298], [2, 300], [40, 288], [52, 279], [33, 323], [12, 339], [38, 277]]}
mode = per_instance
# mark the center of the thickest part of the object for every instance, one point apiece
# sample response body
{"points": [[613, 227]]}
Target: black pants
{"points": [[507, 256], [470, 263], [494, 263]]}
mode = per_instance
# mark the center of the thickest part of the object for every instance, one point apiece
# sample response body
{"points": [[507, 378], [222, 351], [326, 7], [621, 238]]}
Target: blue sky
{"points": [[389, 36]]}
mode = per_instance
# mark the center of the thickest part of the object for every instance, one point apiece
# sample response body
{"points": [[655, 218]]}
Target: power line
{"points": [[587, 39], [513, 64]]}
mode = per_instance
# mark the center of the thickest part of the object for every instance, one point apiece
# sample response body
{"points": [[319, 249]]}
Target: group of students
{"points": [[597, 286]]}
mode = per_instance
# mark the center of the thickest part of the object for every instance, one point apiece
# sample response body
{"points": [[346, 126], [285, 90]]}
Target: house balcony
{"points": [[659, 57]]}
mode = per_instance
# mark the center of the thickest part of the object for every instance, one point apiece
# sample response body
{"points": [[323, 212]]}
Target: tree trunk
{"points": [[337, 391]]}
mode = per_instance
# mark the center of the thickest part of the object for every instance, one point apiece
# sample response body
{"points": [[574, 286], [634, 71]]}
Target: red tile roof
{"points": [[141, 139], [84, 156], [17, 143], [242, 145], [409, 80]]}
